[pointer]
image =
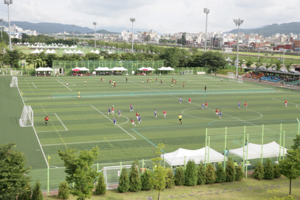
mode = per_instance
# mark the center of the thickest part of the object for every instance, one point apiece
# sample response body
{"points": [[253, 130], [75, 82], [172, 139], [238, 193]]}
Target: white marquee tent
{"points": [[177, 157], [43, 69], [119, 69], [270, 150], [166, 69], [104, 69]]}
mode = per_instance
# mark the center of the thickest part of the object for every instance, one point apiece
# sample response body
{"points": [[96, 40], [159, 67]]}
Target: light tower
{"points": [[237, 22], [206, 11], [132, 20], [8, 2], [73, 34], [1, 20], [95, 32]]}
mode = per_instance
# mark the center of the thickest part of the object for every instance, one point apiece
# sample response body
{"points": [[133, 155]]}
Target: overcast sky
{"points": [[164, 16]]}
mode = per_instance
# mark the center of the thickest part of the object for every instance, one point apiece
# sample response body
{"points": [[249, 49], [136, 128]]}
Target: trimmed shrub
{"points": [[146, 181], [269, 170], [101, 186], [36, 192], [63, 190], [230, 171], [170, 178], [259, 172], [179, 176], [190, 174], [27, 194], [123, 181], [239, 173], [220, 174], [277, 173], [134, 179], [201, 174], [210, 175]]}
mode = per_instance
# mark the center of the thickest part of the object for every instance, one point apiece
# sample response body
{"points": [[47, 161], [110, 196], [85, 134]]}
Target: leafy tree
{"points": [[259, 172], [183, 39], [101, 186], [79, 170], [63, 190], [249, 62], [277, 65], [134, 178], [277, 173], [230, 171], [296, 143], [25, 195], [259, 62], [159, 175], [148, 38], [146, 180], [239, 173], [220, 174], [159, 150], [179, 176], [13, 172], [37, 192], [211, 60], [210, 175], [123, 181], [201, 174], [190, 173], [269, 170], [5, 39], [170, 182], [288, 65], [290, 167]]}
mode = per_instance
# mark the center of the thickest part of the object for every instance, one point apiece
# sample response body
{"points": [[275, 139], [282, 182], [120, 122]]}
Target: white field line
{"points": [[50, 131], [35, 133], [34, 85], [60, 121], [126, 121], [112, 121], [64, 85], [84, 142]]}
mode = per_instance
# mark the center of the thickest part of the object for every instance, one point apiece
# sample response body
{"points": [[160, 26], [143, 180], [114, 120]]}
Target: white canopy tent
{"points": [[44, 69], [166, 69], [119, 69], [177, 157], [270, 150], [36, 51], [146, 69], [104, 69]]}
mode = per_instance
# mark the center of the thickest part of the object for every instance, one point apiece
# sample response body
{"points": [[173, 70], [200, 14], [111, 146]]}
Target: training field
{"points": [[83, 123]]}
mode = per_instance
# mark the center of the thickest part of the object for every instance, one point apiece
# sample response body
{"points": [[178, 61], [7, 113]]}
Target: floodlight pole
{"points": [[283, 58], [95, 32], [1, 20], [132, 20], [8, 2], [73, 34], [258, 55], [206, 11], [237, 22]]}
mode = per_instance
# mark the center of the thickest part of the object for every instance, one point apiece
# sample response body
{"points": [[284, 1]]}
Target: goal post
{"points": [[112, 174], [14, 82], [240, 79], [188, 71], [231, 76], [26, 119], [16, 73]]}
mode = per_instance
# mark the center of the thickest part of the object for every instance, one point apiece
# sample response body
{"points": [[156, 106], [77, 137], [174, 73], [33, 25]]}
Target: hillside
{"points": [[104, 32]]}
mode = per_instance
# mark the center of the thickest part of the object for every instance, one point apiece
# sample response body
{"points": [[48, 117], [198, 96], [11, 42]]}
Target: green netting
{"points": [[162, 92]]}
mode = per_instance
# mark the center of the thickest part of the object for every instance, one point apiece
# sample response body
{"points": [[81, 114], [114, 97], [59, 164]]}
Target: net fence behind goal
{"points": [[14, 82], [231, 76], [16, 73], [26, 119], [240, 79], [188, 72]]}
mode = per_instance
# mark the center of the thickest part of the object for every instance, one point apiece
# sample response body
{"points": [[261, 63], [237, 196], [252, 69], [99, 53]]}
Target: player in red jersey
{"points": [[285, 103], [156, 80], [160, 81], [137, 115], [190, 100], [165, 113], [46, 120], [132, 122], [245, 104], [183, 84], [206, 104], [217, 112], [112, 110]]}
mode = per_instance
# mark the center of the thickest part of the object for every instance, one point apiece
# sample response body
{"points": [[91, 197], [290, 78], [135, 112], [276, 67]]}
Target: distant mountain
{"points": [[286, 28], [120, 29], [104, 32]]}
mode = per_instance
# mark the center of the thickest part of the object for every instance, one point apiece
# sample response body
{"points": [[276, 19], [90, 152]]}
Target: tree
{"points": [[123, 181], [259, 62], [148, 38], [277, 173], [230, 171], [179, 176], [220, 174], [79, 170], [259, 172], [211, 60], [183, 39], [63, 190], [37, 192], [190, 174], [288, 65], [146, 180], [26, 194], [277, 65], [249, 62], [101, 186], [290, 167], [296, 143], [170, 182], [13, 172], [239, 173], [201, 174], [134, 178], [269, 170], [210, 175]]}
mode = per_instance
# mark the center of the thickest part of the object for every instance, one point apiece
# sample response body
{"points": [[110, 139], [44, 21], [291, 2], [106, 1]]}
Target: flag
{"points": [[49, 158]]}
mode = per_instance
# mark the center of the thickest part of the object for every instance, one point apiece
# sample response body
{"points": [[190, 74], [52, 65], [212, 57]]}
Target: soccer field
{"points": [[83, 123]]}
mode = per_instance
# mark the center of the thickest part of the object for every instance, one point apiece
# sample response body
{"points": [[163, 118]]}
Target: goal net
{"points": [[15, 72], [231, 76], [188, 71], [14, 82], [26, 119], [240, 79], [111, 176], [5, 71]]}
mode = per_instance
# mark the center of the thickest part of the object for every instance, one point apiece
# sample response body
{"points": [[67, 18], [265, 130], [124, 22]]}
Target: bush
{"points": [[179, 176], [220, 174], [134, 178], [201, 174], [239, 173], [63, 190], [277, 173], [170, 178], [145, 179], [27, 194], [259, 172], [230, 171], [36, 192], [190, 174], [210, 175], [123, 181], [101, 186], [269, 170]]}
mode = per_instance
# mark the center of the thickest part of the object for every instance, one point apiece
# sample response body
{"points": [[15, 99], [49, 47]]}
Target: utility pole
{"points": [[73, 34], [132, 20], [237, 22], [1, 20], [8, 2], [206, 11]]}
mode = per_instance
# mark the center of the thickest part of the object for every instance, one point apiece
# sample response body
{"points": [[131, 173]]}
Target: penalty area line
{"points": [[60, 121], [64, 85], [33, 84], [101, 141]]}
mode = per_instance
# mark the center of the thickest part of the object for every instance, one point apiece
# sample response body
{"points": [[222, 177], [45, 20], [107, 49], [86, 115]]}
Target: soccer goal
{"points": [[14, 82], [240, 79], [26, 119], [231, 76], [188, 72], [16, 73], [111, 176]]}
